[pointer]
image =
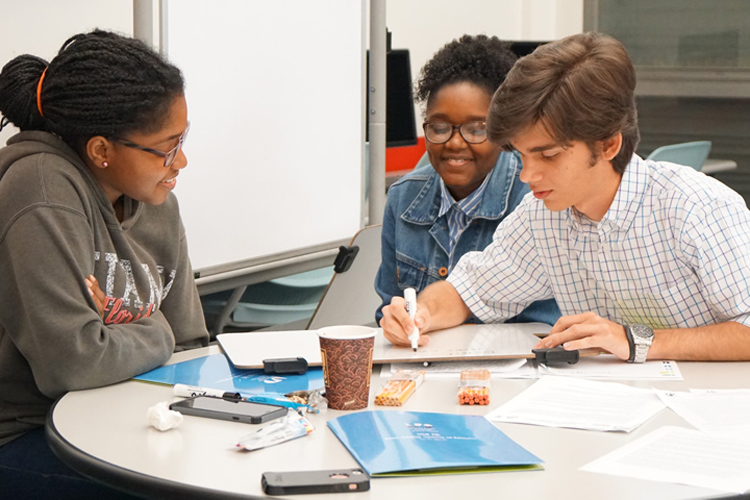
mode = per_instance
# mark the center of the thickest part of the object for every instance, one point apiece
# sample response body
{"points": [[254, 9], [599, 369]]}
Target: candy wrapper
{"points": [[278, 431]]}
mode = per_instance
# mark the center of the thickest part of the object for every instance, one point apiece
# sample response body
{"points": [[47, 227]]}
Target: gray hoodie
{"points": [[57, 227]]}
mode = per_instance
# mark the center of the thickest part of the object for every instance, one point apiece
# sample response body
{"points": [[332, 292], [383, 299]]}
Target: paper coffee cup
{"points": [[346, 352]]}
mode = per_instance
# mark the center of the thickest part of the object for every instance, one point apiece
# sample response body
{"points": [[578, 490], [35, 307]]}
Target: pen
{"points": [[410, 295], [275, 399], [188, 391]]}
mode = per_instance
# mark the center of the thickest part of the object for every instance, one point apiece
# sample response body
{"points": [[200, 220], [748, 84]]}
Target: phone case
{"points": [[232, 410], [315, 481]]}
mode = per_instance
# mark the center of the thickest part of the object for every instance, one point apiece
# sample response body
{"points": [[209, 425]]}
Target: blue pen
{"points": [[275, 399]]}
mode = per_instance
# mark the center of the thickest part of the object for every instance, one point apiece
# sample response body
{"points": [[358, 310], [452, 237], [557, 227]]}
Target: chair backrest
{"points": [[424, 160], [692, 154], [350, 298]]}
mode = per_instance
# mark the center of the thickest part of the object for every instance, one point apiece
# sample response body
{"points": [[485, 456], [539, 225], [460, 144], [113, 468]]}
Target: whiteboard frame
{"points": [[149, 13]]}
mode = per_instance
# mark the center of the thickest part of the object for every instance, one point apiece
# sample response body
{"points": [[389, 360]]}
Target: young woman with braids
{"points": [[437, 213], [95, 281]]}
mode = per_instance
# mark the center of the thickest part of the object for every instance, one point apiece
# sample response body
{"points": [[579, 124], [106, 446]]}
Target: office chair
{"points": [[350, 298], [692, 154], [281, 300], [262, 305]]}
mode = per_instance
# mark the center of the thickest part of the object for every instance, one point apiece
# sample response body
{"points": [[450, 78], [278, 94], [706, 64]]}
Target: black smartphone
{"points": [[315, 481], [229, 409]]}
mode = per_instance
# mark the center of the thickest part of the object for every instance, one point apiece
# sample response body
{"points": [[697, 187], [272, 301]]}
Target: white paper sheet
{"points": [[677, 455], [593, 367], [580, 404], [499, 368], [607, 366], [712, 410]]}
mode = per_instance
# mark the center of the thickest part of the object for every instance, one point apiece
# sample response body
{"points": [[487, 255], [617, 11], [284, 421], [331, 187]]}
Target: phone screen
{"points": [[226, 409], [228, 406]]}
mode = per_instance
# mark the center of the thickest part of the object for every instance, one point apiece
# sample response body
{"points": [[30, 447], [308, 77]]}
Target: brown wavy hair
{"points": [[581, 88]]}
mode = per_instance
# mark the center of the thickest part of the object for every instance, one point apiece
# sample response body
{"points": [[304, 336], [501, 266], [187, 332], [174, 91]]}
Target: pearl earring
{"points": [[105, 164]]}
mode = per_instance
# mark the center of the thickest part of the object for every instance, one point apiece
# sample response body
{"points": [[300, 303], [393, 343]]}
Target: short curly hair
{"points": [[479, 59]]}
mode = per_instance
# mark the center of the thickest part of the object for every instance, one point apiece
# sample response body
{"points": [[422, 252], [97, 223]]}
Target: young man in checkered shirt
{"points": [[645, 259]]}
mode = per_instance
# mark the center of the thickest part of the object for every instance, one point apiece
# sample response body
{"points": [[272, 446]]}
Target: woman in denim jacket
{"points": [[438, 212]]}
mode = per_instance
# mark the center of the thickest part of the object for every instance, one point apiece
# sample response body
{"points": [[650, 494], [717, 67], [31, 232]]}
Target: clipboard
{"points": [[464, 342]]}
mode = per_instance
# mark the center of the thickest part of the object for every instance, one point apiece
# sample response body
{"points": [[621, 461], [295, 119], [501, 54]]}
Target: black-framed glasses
{"points": [[168, 156], [441, 132]]}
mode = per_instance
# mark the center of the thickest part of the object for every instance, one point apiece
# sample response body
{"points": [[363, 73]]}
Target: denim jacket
{"points": [[415, 241]]}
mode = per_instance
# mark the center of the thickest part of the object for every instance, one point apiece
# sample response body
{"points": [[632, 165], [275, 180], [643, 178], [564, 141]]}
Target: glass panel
{"points": [[698, 34]]}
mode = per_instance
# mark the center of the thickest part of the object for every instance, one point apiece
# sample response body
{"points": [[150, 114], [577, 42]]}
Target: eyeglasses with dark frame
{"points": [[169, 156], [474, 132]]}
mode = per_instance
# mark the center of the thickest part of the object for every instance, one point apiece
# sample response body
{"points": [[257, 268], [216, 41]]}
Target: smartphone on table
{"points": [[315, 481], [235, 410]]}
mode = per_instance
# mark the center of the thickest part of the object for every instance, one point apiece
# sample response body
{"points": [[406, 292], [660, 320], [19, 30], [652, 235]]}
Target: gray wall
{"points": [[724, 122]]}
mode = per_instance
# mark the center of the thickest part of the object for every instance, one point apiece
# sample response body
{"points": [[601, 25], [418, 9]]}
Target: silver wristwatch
{"points": [[641, 337]]}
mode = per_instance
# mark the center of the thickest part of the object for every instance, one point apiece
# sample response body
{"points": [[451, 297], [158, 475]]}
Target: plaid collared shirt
{"points": [[459, 212], [673, 250]]}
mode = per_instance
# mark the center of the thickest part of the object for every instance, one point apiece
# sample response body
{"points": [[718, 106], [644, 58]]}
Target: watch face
{"points": [[642, 332]]}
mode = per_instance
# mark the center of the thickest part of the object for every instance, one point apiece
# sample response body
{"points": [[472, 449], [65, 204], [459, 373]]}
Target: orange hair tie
{"points": [[39, 92]]}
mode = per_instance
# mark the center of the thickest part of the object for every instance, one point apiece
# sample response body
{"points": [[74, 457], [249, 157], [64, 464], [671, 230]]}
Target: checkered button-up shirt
{"points": [[673, 250]]}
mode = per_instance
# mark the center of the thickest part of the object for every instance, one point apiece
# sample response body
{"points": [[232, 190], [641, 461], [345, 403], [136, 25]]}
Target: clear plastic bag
{"points": [[474, 387]]}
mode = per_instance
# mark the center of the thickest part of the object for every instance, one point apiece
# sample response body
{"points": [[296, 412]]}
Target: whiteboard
{"points": [[463, 342], [275, 93]]}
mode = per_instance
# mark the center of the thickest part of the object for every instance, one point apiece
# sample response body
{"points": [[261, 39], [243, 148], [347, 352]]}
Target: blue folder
{"points": [[216, 372], [401, 443]]}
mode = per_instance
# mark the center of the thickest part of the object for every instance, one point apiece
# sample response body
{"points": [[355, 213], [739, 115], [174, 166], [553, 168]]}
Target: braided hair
{"points": [[481, 60], [100, 83]]}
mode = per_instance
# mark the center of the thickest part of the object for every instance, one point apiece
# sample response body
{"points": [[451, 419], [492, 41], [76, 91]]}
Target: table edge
{"points": [[123, 479]]}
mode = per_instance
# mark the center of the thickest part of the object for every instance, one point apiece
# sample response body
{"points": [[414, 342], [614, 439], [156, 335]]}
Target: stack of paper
{"points": [[500, 368], [712, 410], [580, 404], [607, 366], [676, 455], [603, 366]]}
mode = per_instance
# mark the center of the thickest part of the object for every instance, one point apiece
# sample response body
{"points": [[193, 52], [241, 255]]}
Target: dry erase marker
{"points": [[410, 295], [188, 391]]}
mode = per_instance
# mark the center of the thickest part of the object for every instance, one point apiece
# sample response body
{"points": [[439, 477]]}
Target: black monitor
{"points": [[524, 48], [400, 120]]}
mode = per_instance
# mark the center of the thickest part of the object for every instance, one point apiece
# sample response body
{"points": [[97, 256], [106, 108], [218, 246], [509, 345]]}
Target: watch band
{"points": [[631, 343], [641, 352]]}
